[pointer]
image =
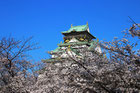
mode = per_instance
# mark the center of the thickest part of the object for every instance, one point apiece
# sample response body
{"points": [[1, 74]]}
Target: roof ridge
{"points": [[78, 28], [78, 25]]}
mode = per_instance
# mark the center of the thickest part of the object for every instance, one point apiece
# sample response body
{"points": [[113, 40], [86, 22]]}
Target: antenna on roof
{"points": [[71, 25]]}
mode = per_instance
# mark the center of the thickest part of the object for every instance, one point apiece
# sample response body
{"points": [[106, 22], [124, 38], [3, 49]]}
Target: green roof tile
{"points": [[74, 43], [77, 28]]}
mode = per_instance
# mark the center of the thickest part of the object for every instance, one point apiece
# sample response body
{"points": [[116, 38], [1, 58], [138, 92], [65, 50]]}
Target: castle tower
{"points": [[75, 39]]}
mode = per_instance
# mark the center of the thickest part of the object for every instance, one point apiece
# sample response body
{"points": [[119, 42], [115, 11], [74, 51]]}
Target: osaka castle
{"points": [[75, 39]]}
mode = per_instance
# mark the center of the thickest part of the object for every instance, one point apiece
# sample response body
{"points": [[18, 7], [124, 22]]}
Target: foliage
{"points": [[15, 65], [94, 73]]}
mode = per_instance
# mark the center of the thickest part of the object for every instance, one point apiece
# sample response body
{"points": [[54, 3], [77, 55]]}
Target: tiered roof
{"points": [[80, 28], [92, 45], [73, 36]]}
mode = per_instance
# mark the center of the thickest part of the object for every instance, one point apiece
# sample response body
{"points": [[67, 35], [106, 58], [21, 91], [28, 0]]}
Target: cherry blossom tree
{"points": [[15, 65]]}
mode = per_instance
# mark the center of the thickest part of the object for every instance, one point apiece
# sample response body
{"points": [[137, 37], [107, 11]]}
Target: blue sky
{"points": [[46, 19]]}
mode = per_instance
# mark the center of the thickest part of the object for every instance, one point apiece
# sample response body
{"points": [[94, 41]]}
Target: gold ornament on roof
{"points": [[81, 39], [69, 48], [71, 25], [87, 23], [105, 56], [97, 39], [66, 41]]}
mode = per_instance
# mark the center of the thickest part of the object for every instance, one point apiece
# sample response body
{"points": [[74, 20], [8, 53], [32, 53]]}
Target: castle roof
{"points": [[92, 45], [77, 29], [75, 38]]}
